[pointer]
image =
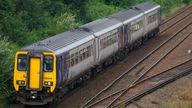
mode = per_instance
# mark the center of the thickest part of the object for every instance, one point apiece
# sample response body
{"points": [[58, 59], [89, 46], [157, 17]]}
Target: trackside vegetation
{"points": [[181, 99], [23, 22]]}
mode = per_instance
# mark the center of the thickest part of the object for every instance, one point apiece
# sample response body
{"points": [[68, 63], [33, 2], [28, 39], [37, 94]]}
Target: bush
{"points": [[7, 51], [64, 22], [186, 1], [95, 9], [28, 21]]}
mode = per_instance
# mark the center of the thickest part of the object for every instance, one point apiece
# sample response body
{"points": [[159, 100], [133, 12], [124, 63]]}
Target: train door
{"points": [[35, 72]]}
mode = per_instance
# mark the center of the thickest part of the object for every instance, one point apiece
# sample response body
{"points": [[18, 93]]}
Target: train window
{"points": [[72, 60], [22, 62], [76, 57], [137, 26], [89, 48], [80, 55], [109, 40], [152, 18], [48, 63], [84, 53]]}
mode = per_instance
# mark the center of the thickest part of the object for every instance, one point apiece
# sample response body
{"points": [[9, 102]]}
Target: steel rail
{"points": [[162, 31], [139, 82], [154, 88]]}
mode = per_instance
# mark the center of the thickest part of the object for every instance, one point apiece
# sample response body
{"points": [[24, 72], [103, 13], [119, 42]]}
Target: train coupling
{"points": [[33, 94]]}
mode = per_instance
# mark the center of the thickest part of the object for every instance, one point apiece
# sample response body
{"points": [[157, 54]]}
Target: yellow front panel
{"points": [[35, 64], [18, 75], [50, 76]]}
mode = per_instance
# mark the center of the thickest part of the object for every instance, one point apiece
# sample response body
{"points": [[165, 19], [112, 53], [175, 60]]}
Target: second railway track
{"points": [[177, 72]]}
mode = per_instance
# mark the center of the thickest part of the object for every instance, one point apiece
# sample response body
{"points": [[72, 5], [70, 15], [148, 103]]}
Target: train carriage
{"points": [[152, 16], [108, 37], [133, 25]]}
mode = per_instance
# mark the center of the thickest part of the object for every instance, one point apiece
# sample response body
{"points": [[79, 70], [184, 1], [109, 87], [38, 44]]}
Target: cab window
{"points": [[48, 64], [22, 62]]}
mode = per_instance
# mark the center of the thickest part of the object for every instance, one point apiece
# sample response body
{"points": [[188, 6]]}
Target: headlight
{"points": [[48, 83], [20, 82]]}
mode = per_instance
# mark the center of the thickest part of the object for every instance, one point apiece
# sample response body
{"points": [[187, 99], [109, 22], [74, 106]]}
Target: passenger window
{"points": [[48, 64], [89, 48], [109, 40], [80, 55], [152, 18], [22, 62], [84, 53], [76, 58], [72, 60], [137, 26]]}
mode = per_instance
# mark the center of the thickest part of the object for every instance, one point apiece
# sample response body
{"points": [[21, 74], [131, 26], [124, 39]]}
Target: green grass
{"points": [[165, 15], [182, 99]]}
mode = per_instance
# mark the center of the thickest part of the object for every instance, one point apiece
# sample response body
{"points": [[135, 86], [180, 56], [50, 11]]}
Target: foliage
{"points": [[95, 9], [7, 51], [31, 20], [65, 21]]}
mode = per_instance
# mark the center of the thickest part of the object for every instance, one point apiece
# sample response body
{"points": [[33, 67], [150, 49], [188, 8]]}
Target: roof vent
{"points": [[42, 43], [87, 30], [135, 8]]}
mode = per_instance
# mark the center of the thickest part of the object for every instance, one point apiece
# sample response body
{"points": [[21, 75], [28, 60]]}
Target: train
{"points": [[44, 69]]}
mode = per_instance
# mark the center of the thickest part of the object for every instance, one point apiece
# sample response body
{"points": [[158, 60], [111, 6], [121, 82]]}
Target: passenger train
{"points": [[45, 68]]}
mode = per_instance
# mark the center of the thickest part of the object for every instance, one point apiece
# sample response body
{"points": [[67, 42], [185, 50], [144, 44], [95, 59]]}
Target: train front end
{"points": [[35, 77]]}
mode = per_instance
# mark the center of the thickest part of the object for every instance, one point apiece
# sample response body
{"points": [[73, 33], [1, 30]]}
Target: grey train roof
{"points": [[147, 7], [62, 42], [101, 26], [127, 15], [71, 39]]}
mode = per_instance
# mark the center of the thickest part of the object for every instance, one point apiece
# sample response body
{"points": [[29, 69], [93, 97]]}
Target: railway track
{"points": [[177, 75], [178, 17], [143, 74], [133, 98]]}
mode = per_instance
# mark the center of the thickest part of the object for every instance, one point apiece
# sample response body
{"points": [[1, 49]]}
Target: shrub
{"points": [[7, 51], [95, 9]]}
